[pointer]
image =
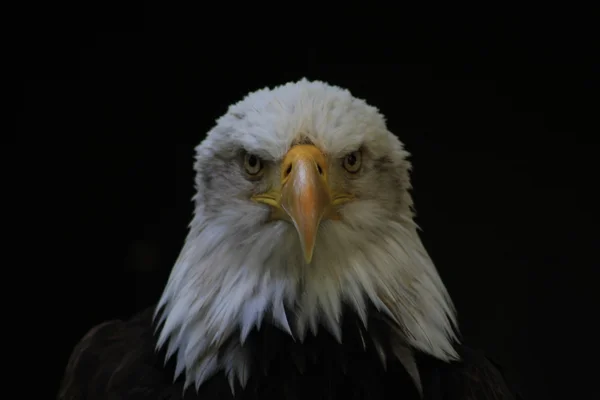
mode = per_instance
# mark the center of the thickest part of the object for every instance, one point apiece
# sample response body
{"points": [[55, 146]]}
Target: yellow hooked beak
{"points": [[305, 195]]}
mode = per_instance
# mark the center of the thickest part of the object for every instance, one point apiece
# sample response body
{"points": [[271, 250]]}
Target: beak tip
{"points": [[308, 245], [308, 257]]}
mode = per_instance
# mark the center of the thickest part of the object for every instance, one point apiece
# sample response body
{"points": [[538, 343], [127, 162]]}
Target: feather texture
{"points": [[117, 360]]}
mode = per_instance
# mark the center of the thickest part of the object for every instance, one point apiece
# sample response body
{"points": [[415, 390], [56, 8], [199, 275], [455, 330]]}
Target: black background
{"points": [[493, 106]]}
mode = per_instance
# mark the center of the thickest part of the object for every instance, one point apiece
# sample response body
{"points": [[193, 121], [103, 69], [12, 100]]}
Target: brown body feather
{"points": [[117, 360]]}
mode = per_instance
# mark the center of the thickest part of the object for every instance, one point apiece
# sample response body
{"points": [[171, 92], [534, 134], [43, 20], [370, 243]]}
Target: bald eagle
{"points": [[302, 276]]}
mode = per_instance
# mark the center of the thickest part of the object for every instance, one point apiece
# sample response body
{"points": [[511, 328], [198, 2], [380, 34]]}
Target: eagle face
{"points": [[302, 206]]}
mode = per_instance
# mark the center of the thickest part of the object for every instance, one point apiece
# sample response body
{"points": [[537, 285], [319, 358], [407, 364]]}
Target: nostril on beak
{"points": [[319, 169], [288, 170]]}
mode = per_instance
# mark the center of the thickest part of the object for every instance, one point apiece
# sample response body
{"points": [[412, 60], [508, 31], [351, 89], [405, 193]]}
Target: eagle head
{"points": [[302, 208]]}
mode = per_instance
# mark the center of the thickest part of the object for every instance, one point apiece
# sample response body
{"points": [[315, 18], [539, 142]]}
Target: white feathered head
{"points": [[302, 206]]}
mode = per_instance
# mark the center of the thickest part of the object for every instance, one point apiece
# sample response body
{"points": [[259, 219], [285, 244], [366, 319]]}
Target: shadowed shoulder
{"points": [[115, 359], [476, 377]]}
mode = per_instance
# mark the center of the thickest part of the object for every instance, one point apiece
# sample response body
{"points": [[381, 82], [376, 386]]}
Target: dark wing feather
{"points": [[116, 360], [477, 378], [79, 368]]}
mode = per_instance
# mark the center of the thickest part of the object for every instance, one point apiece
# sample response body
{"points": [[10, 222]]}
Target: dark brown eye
{"points": [[353, 161], [252, 164]]}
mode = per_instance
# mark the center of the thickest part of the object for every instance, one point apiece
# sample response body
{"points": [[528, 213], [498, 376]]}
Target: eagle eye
{"points": [[252, 164], [353, 161]]}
